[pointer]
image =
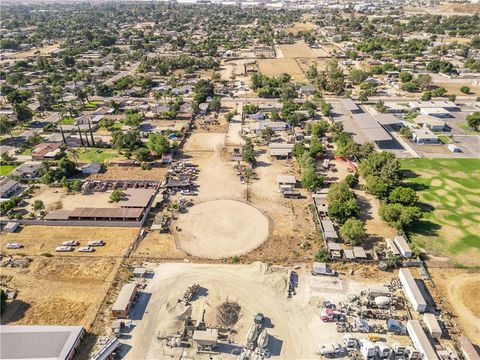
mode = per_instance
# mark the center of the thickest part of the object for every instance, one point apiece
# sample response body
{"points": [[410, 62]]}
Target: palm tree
{"points": [[74, 153]]}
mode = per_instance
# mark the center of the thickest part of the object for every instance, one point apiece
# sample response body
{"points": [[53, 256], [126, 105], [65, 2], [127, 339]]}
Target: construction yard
{"points": [[292, 321]]}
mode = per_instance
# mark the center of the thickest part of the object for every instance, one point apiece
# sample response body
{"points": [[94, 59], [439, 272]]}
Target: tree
{"points": [[215, 104], [203, 89], [403, 195], [318, 128], [406, 132], [340, 211], [473, 121], [351, 180], [322, 255], [23, 113], [398, 215], [405, 76], [250, 109], [38, 205], [267, 133], [465, 89], [158, 144], [423, 81], [116, 196], [74, 153], [380, 107], [311, 180], [6, 127], [426, 96], [353, 231], [381, 172], [249, 154], [67, 167], [142, 154]]}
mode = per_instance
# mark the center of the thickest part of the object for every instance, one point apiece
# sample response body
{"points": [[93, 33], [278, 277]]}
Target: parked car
{"points": [[187, 192], [70, 243], [14, 246], [96, 243], [86, 249], [64, 248]]}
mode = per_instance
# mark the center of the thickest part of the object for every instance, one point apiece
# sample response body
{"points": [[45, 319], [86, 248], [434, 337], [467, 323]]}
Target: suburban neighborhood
{"points": [[244, 180]]}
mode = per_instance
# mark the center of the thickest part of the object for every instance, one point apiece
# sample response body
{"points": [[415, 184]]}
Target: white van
{"points": [[63, 248], [330, 350], [96, 243]]}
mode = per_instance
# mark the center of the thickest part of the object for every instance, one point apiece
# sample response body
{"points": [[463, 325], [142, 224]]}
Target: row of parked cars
{"points": [[68, 246]]}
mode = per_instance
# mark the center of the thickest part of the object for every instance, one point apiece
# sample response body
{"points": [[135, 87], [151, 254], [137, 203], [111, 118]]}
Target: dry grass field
{"points": [[38, 240], [457, 290], [275, 67], [58, 291], [131, 173], [301, 26], [455, 88], [297, 50]]}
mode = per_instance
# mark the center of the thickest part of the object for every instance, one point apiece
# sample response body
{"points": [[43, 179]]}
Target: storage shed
{"points": [[412, 291], [402, 246], [432, 325], [420, 340], [122, 305]]}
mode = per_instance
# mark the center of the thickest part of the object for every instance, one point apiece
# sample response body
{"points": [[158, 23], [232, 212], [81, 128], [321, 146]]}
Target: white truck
{"points": [[330, 349]]}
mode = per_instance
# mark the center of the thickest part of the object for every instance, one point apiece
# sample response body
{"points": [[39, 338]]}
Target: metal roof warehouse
{"points": [[39, 342]]}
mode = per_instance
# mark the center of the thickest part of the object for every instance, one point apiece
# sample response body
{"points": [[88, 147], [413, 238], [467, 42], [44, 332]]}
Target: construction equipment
{"points": [[189, 294]]}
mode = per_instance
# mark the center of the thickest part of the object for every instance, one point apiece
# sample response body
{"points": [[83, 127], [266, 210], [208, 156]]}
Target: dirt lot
{"points": [[297, 50], [461, 288], [44, 239], [157, 173], [293, 233], [293, 325], [275, 67], [301, 26], [57, 291], [221, 228], [58, 198]]}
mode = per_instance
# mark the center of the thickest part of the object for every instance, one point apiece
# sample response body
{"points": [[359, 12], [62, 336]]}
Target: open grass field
{"points": [[450, 190], [6, 169], [97, 155]]}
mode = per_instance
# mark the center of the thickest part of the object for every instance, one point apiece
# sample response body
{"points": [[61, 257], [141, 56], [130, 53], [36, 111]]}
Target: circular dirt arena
{"points": [[221, 228]]}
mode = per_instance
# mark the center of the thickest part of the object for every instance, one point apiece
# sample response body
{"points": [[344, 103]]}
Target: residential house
{"points": [[46, 151], [26, 171], [8, 188], [424, 136]]}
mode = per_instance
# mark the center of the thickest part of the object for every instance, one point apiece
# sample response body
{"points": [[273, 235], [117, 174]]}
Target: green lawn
{"points": [[67, 121], [450, 192], [6, 169], [98, 155]]}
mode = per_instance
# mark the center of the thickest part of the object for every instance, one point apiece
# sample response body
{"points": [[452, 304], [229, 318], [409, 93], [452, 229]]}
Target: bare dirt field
{"points": [[58, 291], [461, 288], [58, 198], [301, 26], [454, 88], [297, 50], [156, 243], [275, 67], [293, 233], [221, 228], [157, 173], [293, 325], [304, 63], [38, 240]]}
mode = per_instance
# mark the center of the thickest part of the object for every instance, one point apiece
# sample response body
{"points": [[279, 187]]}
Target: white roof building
{"points": [[412, 291]]}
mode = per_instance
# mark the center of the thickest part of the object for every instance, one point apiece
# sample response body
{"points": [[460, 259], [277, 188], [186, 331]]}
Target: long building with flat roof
{"points": [[420, 340], [32, 342], [412, 290]]}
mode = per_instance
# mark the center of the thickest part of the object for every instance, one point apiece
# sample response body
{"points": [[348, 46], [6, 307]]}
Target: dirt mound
{"points": [[228, 313]]}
